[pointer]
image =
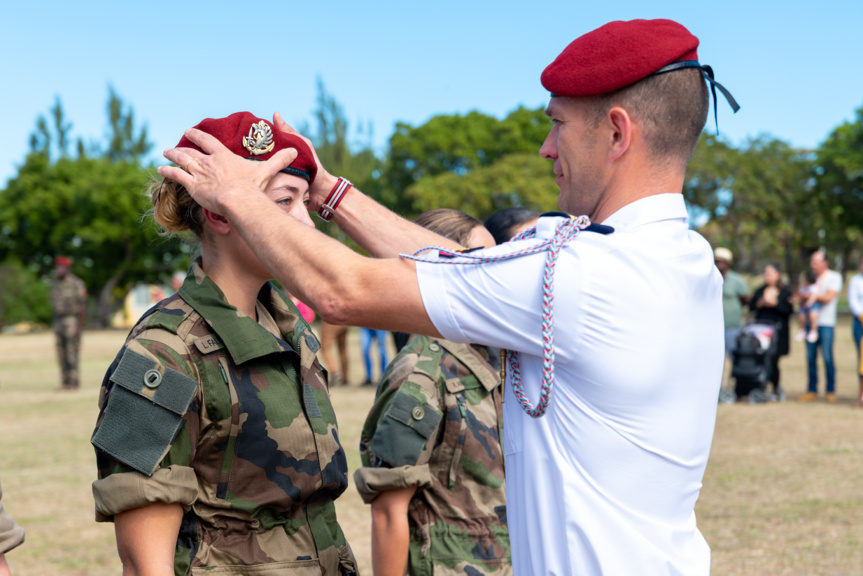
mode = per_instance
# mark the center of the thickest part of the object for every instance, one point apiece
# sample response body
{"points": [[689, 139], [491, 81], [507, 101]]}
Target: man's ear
{"points": [[620, 137], [217, 222]]}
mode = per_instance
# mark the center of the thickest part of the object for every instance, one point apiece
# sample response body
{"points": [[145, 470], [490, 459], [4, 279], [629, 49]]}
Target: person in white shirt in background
{"points": [[855, 302], [828, 285]]}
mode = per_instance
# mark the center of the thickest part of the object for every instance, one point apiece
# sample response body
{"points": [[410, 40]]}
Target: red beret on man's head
{"points": [[63, 261], [616, 55], [248, 136]]}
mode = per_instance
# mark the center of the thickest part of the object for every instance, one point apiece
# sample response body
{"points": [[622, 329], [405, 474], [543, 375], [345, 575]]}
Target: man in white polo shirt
{"points": [[622, 321], [828, 284]]}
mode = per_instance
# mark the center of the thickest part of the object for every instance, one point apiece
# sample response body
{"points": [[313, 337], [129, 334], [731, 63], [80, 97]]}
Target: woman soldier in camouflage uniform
{"points": [[217, 446], [431, 450]]}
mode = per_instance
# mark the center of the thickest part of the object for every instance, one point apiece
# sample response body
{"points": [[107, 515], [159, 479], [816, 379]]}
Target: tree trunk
{"points": [[105, 307]]}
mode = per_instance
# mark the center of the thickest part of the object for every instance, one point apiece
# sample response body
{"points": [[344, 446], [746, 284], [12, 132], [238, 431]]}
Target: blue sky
{"points": [[795, 67]]}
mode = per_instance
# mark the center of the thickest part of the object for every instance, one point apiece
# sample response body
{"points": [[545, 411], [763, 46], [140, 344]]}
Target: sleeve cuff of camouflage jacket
{"points": [[372, 481], [11, 535], [129, 490]]}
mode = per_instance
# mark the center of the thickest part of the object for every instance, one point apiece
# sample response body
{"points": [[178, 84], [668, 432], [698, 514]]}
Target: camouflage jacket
{"points": [[68, 296], [207, 408], [437, 424]]}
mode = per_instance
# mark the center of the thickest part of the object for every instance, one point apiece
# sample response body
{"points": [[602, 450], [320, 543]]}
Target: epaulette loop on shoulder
{"points": [[167, 319], [429, 360], [598, 228]]}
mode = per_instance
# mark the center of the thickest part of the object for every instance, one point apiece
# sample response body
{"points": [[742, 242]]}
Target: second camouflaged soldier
{"points": [[217, 447], [433, 466], [69, 302]]}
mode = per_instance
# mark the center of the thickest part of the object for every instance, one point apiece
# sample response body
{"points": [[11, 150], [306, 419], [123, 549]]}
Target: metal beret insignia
{"points": [[260, 139]]}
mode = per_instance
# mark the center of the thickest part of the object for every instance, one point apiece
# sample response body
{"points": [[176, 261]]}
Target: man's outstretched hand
{"points": [[212, 176]]}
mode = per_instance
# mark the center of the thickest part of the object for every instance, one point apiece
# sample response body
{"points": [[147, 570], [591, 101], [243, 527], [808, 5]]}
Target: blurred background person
{"points": [[809, 309], [855, 303], [828, 285], [505, 224], [735, 295], [379, 337], [460, 227], [772, 302], [338, 366], [69, 302], [436, 486], [11, 536], [177, 279]]}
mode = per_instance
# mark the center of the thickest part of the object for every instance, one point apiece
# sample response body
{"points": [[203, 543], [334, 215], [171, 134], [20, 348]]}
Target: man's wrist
{"points": [[324, 182], [328, 209]]}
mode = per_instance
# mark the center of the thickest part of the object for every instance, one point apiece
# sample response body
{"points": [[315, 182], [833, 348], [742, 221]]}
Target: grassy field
{"points": [[783, 493]]}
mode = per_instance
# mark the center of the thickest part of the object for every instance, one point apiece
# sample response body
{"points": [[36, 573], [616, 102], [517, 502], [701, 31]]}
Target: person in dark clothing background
{"points": [[772, 302]]}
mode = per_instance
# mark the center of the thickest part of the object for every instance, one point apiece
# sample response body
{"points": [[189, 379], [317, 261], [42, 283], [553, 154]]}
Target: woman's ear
{"points": [[217, 222]]}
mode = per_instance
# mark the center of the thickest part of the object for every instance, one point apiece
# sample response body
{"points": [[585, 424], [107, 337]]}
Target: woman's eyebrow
{"points": [[288, 187]]}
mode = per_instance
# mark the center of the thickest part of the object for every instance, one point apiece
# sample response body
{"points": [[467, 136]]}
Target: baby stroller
{"points": [[751, 362]]}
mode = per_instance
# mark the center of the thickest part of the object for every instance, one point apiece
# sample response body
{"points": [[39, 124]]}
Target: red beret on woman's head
{"points": [[616, 55], [248, 136]]}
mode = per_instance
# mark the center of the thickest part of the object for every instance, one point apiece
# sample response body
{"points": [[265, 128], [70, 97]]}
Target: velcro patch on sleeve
{"points": [[404, 429], [144, 412]]}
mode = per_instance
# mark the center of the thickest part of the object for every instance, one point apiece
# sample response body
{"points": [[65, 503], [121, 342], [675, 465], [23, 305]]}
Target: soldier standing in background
{"points": [[69, 302]]}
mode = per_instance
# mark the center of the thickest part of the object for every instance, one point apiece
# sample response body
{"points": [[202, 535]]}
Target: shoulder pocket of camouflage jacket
{"points": [[406, 426], [144, 412]]}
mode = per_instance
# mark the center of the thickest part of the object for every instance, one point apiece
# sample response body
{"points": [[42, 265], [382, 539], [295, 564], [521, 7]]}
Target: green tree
{"points": [[334, 147], [710, 177], [775, 205], [450, 147], [839, 183], [354, 160], [757, 200], [89, 208], [521, 179], [125, 143], [42, 140], [25, 297]]}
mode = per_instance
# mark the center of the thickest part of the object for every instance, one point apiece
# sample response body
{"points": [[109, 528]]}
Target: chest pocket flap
{"points": [[144, 412], [406, 426]]}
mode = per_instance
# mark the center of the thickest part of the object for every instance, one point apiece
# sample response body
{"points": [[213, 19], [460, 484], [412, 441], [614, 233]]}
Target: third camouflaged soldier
{"points": [[433, 465]]}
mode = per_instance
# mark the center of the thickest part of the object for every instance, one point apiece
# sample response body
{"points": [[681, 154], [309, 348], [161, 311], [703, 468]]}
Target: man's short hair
{"points": [[670, 108]]}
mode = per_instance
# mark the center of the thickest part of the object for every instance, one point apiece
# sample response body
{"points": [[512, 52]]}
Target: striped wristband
{"points": [[328, 208]]}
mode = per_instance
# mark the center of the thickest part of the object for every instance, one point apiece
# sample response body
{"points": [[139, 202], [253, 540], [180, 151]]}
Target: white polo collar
{"points": [[647, 210]]}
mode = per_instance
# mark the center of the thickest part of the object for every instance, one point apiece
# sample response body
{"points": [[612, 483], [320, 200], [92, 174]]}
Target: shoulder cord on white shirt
{"points": [[564, 232]]}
